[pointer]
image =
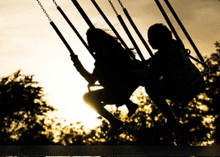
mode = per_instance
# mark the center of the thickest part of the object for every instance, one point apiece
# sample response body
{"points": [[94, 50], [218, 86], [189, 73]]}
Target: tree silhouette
{"points": [[146, 127], [211, 96], [22, 110]]}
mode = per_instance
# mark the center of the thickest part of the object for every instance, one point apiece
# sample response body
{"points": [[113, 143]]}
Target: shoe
{"points": [[132, 107]]}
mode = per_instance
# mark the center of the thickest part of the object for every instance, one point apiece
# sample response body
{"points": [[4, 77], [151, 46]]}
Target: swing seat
{"points": [[92, 87], [118, 98]]}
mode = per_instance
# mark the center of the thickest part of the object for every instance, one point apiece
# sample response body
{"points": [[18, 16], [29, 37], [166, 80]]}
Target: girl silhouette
{"points": [[112, 67]]}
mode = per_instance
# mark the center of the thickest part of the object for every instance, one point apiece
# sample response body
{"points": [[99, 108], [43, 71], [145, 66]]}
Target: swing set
{"points": [[200, 59]]}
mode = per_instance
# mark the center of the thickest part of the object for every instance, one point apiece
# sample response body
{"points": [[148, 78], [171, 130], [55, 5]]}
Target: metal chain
{"points": [[44, 10], [55, 3], [121, 4], [113, 7]]}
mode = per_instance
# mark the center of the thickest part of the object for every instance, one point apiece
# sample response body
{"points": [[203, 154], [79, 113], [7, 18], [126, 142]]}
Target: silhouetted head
{"points": [[103, 44], [159, 35]]}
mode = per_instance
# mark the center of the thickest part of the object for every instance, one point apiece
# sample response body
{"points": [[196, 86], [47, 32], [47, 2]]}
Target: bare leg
{"points": [[93, 99]]}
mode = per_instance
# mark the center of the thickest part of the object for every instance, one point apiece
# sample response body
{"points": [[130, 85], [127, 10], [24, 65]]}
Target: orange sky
{"points": [[28, 42]]}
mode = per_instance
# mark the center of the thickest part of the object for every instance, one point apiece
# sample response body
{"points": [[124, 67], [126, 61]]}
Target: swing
{"points": [[87, 20], [85, 17], [134, 27], [193, 87], [198, 85], [111, 26], [56, 29], [127, 31], [73, 27]]}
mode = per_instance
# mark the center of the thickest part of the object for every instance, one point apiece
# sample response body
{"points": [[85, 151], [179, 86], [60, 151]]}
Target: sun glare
{"points": [[67, 98]]}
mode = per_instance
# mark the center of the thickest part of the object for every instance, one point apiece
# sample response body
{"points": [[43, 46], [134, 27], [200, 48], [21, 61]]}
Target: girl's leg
{"points": [[122, 96], [94, 100], [156, 94], [146, 78], [153, 88]]}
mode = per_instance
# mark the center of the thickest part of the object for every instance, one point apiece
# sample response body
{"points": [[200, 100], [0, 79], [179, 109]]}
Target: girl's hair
{"points": [[159, 31], [105, 41], [100, 34]]}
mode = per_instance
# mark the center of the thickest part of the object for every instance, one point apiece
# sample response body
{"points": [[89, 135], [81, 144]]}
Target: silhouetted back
{"points": [[106, 47], [112, 61], [171, 61]]}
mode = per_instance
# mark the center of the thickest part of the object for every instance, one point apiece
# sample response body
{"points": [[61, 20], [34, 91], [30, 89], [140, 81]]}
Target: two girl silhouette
{"points": [[164, 76]]}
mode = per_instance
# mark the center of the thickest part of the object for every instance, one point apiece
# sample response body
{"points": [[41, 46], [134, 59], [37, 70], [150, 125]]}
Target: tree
{"points": [[22, 110], [211, 96], [146, 127]]}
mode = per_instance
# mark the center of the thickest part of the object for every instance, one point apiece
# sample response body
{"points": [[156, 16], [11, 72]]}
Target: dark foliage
{"points": [[22, 110], [212, 95]]}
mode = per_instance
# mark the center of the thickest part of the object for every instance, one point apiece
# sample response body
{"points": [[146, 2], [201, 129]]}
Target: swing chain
{"points": [[113, 7], [121, 4], [55, 3], [44, 10]]}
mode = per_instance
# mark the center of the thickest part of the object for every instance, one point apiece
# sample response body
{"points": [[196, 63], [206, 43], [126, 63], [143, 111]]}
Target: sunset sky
{"points": [[28, 42]]}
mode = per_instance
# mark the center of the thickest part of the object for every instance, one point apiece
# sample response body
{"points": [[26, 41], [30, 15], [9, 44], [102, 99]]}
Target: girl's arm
{"points": [[90, 78]]}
